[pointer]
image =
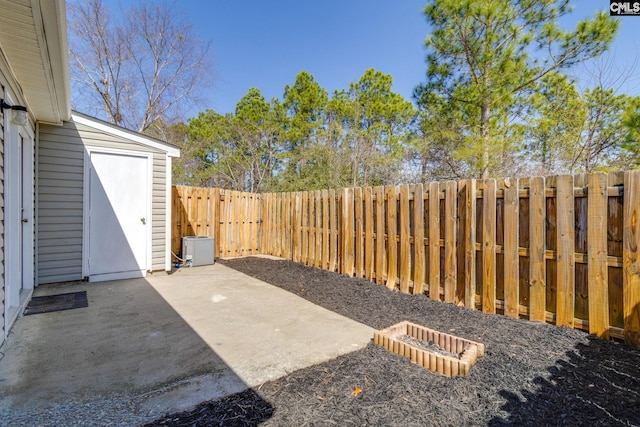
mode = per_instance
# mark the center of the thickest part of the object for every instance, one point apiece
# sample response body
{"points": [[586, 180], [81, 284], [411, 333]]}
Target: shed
{"points": [[103, 202]]}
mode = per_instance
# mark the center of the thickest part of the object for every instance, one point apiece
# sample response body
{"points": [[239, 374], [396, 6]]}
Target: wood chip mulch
{"points": [[532, 374]]}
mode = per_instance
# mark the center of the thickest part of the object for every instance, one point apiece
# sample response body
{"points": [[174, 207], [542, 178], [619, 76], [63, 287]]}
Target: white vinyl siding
{"points": [[60, 192]]}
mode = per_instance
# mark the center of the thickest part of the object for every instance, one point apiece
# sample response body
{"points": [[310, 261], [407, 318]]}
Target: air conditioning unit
{"points": [[197, 250]]}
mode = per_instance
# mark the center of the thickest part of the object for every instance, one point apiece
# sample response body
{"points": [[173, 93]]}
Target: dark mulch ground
{"points": [[532, 374]]}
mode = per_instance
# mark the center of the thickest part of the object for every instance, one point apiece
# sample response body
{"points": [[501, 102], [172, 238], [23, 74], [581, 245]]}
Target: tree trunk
{"points": [[485, 115]]}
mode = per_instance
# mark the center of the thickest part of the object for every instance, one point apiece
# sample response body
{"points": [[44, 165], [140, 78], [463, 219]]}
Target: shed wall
{"points": [[60, 192]]}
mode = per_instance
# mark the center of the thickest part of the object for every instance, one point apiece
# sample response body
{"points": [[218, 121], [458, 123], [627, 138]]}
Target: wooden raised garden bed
{"points": [[439, 352]]}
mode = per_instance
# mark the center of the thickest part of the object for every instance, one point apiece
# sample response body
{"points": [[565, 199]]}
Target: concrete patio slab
{"points": [[168, 342]]}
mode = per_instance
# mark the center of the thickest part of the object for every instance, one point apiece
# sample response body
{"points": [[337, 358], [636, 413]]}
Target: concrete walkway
{"points": [[168, 341]]}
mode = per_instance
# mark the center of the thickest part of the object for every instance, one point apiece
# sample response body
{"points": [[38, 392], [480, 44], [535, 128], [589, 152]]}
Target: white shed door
{"points": [[118, 216]]}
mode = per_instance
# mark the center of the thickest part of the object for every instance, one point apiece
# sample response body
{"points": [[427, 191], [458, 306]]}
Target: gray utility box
{"points": [[198, 250]]}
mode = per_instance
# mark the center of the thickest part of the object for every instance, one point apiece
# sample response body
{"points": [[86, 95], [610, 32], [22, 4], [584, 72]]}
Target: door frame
{"points": [[85, 207], [19, 265]]}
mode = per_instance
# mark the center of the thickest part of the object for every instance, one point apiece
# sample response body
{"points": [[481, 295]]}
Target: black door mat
{"points": [[58, 302]]}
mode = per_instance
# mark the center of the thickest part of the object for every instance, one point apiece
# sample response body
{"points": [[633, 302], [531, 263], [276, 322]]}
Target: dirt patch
{"points": [[531, 374]]}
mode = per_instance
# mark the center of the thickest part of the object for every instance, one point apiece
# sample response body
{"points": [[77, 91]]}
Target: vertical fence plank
{"points": [[215, 220], [312, 229], [489, 246], [511, 257], [318, 202], [405, 245], [244, 216], [346, 221], [565, 251], [277, 226], [333, 235], [359, 233], [470, 244], [222, 226], [368, 232], [256, 225], [380, 269], [305, 228], [434, 241], [264, 229], [597, 255], [537, 263], [325, 229], [630, 258], [392, 243], [615, 247], [418, 239], [450, 242], [297, 233]]}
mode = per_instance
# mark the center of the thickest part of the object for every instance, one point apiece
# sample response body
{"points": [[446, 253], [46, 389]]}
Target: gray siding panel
{"points": [[60, 181], [60, 204]]}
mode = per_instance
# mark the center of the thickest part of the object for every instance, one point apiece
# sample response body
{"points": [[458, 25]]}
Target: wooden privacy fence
{"points": [[561, 249], [231, 217]]}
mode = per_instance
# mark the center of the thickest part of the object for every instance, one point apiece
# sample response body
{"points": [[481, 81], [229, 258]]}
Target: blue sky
{"points": [[264, 44]]}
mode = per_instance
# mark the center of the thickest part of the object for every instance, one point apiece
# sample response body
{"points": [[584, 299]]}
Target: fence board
{"points": [[297, 233], [392, 244], [631, 261], [368, 233], [434, 241], [381, 271], [450, 242], [359, 233], [305, 228], [597, 250], [318, 229], [470, 244], [333, 235], [418, 233], [312, 229], [405, 246], [511, 257], [565, 235], [489, 246], [347, 232], [537, 263], [325, 229]]}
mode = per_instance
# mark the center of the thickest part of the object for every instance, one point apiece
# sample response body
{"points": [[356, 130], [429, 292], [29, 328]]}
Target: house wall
{"points": [[60, 181]]}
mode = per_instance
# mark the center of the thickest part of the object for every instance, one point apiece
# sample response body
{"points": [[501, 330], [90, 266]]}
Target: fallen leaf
{"points": [[356, 391]]}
